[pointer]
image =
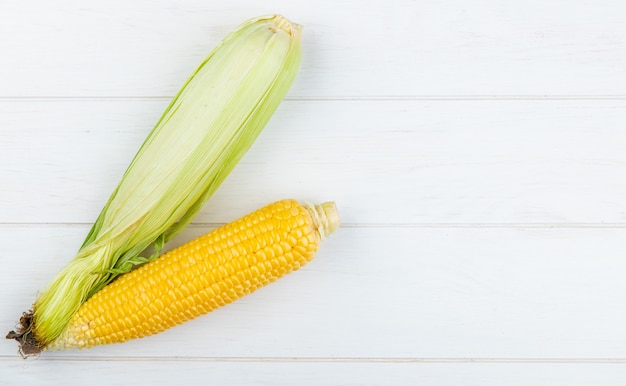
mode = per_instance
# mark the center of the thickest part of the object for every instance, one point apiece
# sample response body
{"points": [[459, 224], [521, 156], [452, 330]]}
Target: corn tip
{"points": [[325, 217], [283, 24], [332, 215]]}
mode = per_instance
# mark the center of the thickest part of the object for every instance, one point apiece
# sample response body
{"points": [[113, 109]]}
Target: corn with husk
{"points": [[206, 129]]}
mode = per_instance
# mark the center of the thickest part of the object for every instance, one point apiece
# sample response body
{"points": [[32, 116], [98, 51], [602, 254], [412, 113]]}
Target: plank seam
{"points": [[376, 98], [397, 360], [197, 225]]}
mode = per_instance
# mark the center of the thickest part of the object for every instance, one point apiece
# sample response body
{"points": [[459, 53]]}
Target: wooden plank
{"points": [[81, 372], [393, 162], [476, 153], [386, 292], [394, 48]]}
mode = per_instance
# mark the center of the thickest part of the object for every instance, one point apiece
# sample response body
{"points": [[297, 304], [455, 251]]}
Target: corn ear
{"points": [[202, 134], [206, 273]]}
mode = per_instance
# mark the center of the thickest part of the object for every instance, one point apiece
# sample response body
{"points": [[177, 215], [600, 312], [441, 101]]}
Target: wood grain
{"points": [[476, 152], [307, 373], [392, 293], [384, 162], [359, 49], [338, 373]]}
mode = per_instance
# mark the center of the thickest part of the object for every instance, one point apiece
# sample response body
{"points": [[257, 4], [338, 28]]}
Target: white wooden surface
{"points": [[476, 150]]}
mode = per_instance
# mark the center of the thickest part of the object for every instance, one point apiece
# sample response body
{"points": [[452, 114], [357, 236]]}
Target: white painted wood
{"points": [[365, 48], [389, 292], [392, 162], [476, 151], [81, 372]]}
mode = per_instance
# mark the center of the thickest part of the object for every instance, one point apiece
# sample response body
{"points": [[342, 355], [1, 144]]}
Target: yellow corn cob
{"points": [[202, 275]]}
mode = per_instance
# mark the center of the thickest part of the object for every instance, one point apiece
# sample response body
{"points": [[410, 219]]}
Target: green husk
{"points": [[203, 133]]}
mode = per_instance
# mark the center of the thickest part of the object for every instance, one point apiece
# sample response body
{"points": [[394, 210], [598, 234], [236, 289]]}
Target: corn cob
{"points": [[210, 124], [202, 275]]}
